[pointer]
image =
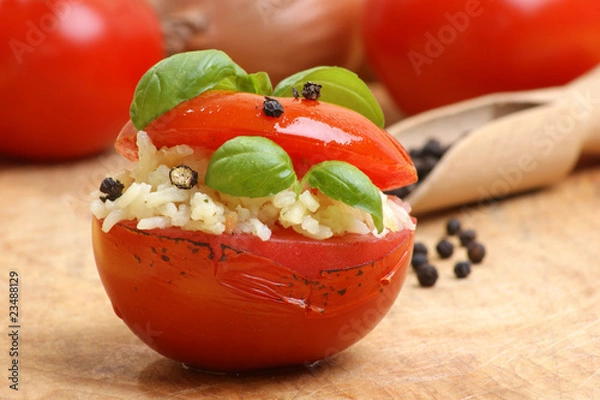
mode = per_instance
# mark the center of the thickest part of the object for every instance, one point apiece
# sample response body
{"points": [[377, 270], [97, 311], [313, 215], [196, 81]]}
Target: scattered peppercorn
{"points": [[272, 108], [425, 159], [476, 252], [403, 191], [427, 275], [420, 248], [467, 237], [112, 188], [433, 148], [444, 248], [418, 260], [295, 92], [183, 177], [424, 166], [311, 91], [462, 269], [453, 226]]}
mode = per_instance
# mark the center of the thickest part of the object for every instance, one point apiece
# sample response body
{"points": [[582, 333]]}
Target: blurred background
{"points": [[70, 66]]}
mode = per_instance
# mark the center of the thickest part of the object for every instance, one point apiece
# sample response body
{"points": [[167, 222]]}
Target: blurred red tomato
{"points": [[430, 53], [68, 70]]}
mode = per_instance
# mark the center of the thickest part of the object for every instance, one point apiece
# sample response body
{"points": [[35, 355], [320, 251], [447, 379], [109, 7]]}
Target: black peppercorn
{"points": [[427, 275], [444, 248], [112, 188], [415, 153], [295, 92], [420, 248], [467, 237], [476, 252], [453, 226], [462, 269], [403, 191], [311, 91], [418, 260], [424, 166], [433, 148], [272, 108], [183, 177], [425, 158]]}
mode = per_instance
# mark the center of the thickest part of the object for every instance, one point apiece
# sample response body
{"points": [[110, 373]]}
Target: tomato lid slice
{"points": [[309, 131]]}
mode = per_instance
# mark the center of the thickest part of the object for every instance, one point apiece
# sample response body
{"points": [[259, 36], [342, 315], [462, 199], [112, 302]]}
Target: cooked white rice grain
{"points": [[285, 198], [255, 227], [151, 199], [294, 214], [113, 218], [168, 195], [309, 201], [154, 223], [205, 210], [134, 191], [179, 215], [310, 225], [159, 178]]}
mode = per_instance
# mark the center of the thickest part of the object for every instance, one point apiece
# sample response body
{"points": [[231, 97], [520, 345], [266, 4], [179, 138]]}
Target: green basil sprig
{"points": [[339, 86], [253, 166], [250, 166], [344, 182], [184, 76]]}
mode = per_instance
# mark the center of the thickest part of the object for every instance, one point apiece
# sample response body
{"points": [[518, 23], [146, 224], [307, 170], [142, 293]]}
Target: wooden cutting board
{"points": [[524, 325]]}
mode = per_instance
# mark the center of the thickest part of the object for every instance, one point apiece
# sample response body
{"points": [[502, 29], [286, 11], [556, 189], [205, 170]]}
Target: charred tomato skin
{"points": [[235, 303]]}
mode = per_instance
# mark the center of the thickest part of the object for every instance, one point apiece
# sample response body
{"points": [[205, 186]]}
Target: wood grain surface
{"points": [[524, 325]]}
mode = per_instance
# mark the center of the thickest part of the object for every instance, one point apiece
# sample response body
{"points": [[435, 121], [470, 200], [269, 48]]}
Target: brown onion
{"points": [[280, 37]]}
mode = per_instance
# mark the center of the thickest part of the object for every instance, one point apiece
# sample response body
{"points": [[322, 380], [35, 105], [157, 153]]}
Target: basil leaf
{"points": [[250, 166], [348, 184], [339, 86], [184, 76], [258, 83]]}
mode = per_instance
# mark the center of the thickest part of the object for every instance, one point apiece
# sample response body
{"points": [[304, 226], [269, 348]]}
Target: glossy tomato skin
{"points": [[235, 303], [309, 131], [430, 53], [68, 70]]}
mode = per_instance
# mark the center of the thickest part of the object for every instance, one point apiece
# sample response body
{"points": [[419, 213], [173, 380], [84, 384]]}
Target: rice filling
{"points": [[150, 198]]}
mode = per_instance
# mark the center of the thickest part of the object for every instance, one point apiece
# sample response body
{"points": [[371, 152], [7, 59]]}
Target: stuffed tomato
{"points": [[252, 230]]}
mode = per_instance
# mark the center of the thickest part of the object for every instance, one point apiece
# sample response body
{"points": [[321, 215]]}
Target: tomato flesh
{"points": [[309, 131], [234, 302]]}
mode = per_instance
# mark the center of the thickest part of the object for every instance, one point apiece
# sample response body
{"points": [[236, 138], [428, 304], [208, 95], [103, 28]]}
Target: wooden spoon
{"points": [[504, 143]]}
